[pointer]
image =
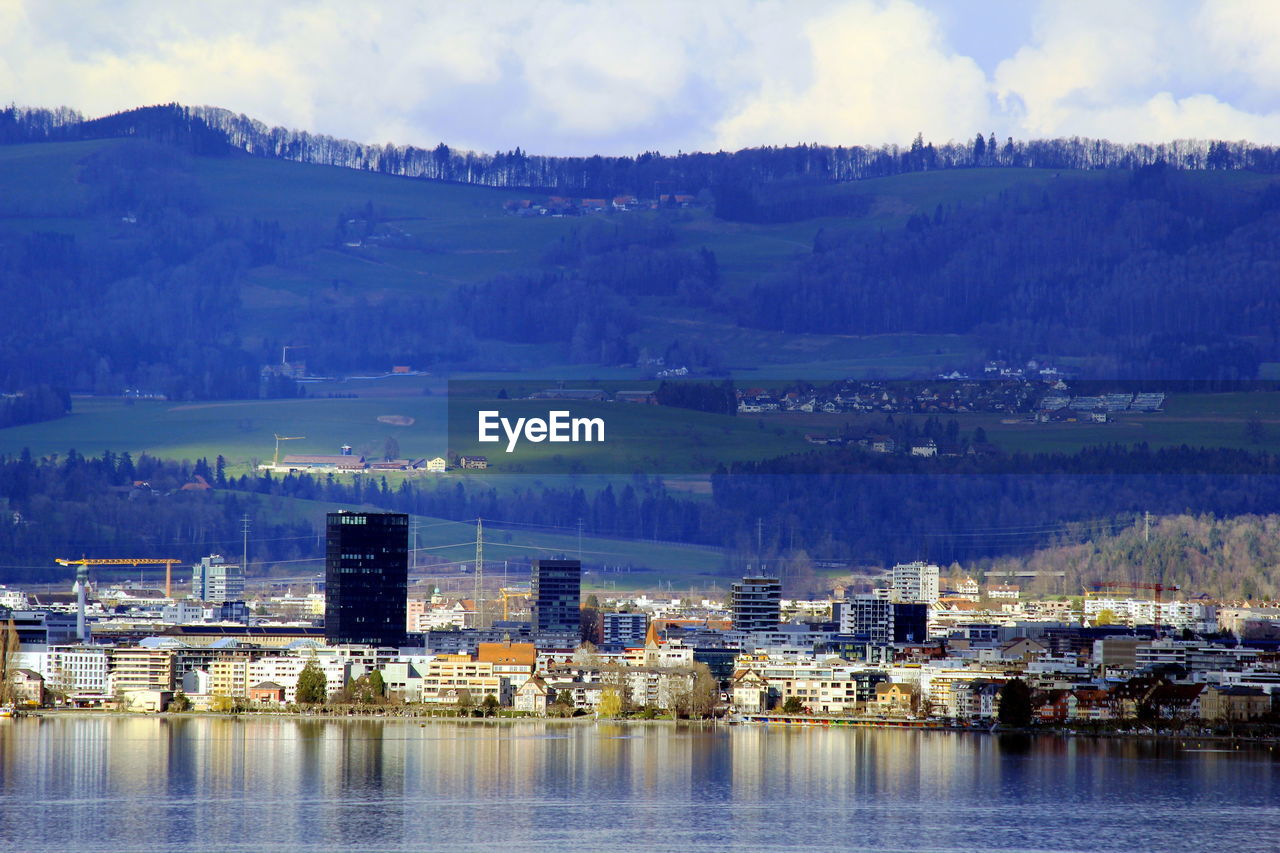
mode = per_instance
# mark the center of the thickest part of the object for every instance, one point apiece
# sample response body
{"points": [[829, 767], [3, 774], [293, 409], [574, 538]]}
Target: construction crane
{"points": [[167, 562], [509, 593], [1157, 588], [275, 463]]}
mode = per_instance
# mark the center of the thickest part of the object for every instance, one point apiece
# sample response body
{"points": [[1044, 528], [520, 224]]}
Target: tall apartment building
{"points": [[366, 577], [883, 621], [216, 581], [756, 603], [555, 596], [870, 615], [625, 629], [915, 582]]}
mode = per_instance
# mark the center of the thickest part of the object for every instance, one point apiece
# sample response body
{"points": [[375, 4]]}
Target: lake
{"points": [[263, 784]]}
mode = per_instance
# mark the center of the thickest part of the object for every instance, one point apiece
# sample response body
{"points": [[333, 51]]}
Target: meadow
{"points": [[1196, 420]]}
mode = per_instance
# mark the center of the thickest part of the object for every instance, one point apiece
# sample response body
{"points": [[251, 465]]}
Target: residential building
{"points": [[450, 678], [1233, 703], [513, 663], [534, 696], [625, 629], [229, 676], [892, 698], [915, 582], [78, 670], [28, 686], [285, 669], [756, 603], [366, 578], [137, 668], [1003, 591], [750, 692], [880, 621]]}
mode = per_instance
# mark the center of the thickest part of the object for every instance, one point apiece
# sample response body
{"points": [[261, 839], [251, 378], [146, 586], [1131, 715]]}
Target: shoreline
{"points": [[796, 724]]}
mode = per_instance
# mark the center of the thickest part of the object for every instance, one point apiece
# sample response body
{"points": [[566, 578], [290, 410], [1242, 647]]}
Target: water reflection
{"points": [[284, 784]]}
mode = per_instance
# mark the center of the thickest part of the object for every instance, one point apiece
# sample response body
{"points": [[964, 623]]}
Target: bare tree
{"points": [[8, 661]]}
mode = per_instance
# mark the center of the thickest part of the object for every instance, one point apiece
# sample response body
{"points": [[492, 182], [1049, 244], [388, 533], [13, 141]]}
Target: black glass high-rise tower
{"points": [[366, 577], [555, 595]]}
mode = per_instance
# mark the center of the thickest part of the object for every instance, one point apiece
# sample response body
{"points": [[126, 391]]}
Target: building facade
{"points": [[624, 629], [366, 578], [555, 595], [216, 581], [756, 603], [916, 582]]}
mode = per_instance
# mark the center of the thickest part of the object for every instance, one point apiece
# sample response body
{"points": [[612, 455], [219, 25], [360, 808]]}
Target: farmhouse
{"points": [[473, 462], [316, 462]]}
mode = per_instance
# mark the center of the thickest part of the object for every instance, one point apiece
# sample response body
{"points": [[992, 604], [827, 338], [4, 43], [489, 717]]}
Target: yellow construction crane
{"points": [[509, 593], [275, 463], [167, 562]]}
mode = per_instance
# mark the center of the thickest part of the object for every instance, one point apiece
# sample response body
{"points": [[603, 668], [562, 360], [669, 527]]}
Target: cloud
{"points": [[1125, 73], [579, 77], [872, 72]]}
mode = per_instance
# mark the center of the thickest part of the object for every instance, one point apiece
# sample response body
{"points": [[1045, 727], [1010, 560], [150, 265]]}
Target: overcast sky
{"points": [[566, 77]]}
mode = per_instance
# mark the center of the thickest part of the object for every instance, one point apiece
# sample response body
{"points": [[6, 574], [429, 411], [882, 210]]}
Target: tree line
{"points": [[212, 130], [115, 505], [784, 513], [34, 404]]}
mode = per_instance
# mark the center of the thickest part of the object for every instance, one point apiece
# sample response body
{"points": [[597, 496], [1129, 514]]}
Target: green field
{"points": [[647, 439], [1196, 420], [241, 430], [638, 438]]}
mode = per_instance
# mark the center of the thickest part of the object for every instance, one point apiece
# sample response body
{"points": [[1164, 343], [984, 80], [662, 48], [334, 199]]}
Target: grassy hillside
{"points": [[434, 236]]}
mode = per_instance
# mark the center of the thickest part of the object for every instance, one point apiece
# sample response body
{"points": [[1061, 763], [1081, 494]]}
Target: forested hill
{"points": [[148, 251], [206, 130], [1231, 558]]}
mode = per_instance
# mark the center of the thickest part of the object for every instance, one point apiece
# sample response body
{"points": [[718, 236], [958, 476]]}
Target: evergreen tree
{"points": [[312, 686], [1015, 704]]}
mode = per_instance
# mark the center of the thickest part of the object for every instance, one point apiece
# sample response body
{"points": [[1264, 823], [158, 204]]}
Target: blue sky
{"points": [[578, 77]]}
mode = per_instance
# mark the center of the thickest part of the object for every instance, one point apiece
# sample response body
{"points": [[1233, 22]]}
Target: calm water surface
{"points": [[204, 783]]}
